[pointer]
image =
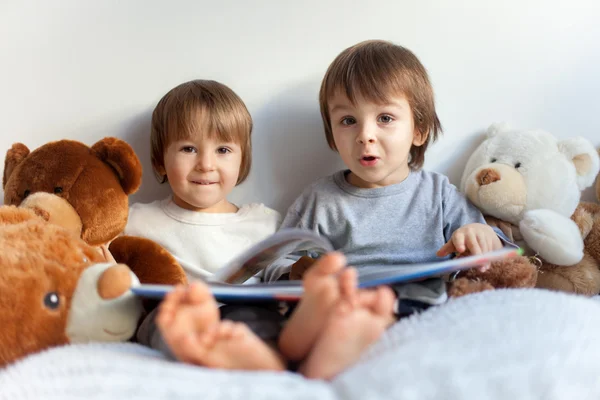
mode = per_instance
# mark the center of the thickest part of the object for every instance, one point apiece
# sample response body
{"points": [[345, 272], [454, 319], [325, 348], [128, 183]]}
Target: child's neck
{"points": [[355, 180], [222, 207]]}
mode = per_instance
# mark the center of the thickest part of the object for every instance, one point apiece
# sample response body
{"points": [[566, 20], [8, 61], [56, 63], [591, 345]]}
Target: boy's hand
{"points": [[471, 239]]}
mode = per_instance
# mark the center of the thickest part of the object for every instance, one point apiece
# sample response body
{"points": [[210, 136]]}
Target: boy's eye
{"points": [[385, 119], [348, 121], [223, 150], [188, 149]]}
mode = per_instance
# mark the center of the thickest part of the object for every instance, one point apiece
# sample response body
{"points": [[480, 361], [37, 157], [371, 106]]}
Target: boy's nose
{"points": [[365, 136]]}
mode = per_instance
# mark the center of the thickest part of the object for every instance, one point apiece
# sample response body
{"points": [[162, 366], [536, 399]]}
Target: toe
{"points": [[326, 265], [199, 293], [384, 301], [348, 282], [226, 328]]}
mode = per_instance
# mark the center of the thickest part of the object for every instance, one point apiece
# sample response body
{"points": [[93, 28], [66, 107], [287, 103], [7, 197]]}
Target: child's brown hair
{"points": [[200, 107], [377, 70]]}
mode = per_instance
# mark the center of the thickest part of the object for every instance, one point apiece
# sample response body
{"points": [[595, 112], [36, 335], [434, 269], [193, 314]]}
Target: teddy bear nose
{"points": [[487, 176], [114, 282]]}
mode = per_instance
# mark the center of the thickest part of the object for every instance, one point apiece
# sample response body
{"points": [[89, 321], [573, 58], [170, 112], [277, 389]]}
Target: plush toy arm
{"points": [[149, 261], [584, 218], [555, 238], [300, 267]]}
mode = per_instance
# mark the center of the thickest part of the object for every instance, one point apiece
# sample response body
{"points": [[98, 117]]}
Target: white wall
{"points": [[84, 70]]}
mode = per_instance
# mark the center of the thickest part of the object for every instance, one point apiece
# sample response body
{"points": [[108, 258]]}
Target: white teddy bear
{"points": [[533, 181]]}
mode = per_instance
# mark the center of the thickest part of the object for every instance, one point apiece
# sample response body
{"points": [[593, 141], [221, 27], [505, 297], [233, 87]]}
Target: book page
{"points": [[266, 252]]}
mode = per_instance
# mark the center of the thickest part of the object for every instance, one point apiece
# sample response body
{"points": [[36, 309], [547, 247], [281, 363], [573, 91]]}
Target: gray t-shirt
{"points": [[398, 224]]}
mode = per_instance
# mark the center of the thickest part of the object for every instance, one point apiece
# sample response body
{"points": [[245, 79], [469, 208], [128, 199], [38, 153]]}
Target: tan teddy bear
{"points": [[584, 277], [56, 289]]}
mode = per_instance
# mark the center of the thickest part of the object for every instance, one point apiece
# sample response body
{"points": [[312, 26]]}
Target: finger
{"points": [[472, 244], [496, 243], [459, 241], [484, 242], [446, 249], [490, 243]]}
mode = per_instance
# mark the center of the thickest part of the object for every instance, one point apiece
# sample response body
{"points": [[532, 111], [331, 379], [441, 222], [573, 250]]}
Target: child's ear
{"points": [[419, 138], [160, 173]]}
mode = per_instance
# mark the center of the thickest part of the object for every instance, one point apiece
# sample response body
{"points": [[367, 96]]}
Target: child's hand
{"points": [[471, 239]]}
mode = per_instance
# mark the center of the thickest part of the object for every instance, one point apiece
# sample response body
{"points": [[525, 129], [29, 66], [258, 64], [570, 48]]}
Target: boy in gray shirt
{"points": [[378, 111]]}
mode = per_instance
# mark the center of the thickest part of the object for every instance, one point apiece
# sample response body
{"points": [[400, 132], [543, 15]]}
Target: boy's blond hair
{"points": [[200, 107], [377, 70]]}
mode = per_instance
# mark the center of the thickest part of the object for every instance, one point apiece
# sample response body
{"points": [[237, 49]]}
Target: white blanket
{"points": [[509, 344]]}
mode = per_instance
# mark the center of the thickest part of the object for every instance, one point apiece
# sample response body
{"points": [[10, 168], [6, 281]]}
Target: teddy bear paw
{"points": [[555, 238]]}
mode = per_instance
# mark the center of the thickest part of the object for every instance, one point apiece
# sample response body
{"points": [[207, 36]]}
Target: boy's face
{"points": [[374, 140], [202, 172]]}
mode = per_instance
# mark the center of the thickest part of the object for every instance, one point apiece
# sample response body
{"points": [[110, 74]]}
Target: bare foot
{"points": [[322, 287], [356, 322], [189, 322], [183, 312]]}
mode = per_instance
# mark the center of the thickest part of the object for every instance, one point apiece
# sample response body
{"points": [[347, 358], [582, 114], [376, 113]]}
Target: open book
{"points": [[227, 283]]}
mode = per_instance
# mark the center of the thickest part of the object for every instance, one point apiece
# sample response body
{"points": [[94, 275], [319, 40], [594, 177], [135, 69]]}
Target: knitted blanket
{"points": [[506, 344]]}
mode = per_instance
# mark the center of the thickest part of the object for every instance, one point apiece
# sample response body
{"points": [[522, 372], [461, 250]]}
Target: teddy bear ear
{"points": [[123, 160], [496, 128], [584, 157], [14, 156]]}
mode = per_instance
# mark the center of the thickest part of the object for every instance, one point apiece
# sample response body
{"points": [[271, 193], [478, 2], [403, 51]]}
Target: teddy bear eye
{"points": [[517, 165], [493, 160], [26, 193], [58, 190], [51, 300]]}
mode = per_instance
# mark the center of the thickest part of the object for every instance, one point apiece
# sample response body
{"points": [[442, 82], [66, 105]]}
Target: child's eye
{"points": [[385, 119], [348, 121], [188, 149], [223, 150]]}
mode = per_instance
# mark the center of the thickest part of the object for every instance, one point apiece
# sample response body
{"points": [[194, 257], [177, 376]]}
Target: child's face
{"points": [[374, 140], [202, 172]]}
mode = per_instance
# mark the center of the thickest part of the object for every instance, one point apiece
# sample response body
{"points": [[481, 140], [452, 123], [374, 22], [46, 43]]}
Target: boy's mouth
{"points": [[368, 161]]}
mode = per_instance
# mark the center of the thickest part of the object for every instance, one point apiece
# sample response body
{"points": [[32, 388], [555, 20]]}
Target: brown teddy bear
{"points": [[57, 289], [86, 190]]}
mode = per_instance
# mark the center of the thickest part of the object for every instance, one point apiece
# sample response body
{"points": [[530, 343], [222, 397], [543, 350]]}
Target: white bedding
{"points": [[509, 344]]}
